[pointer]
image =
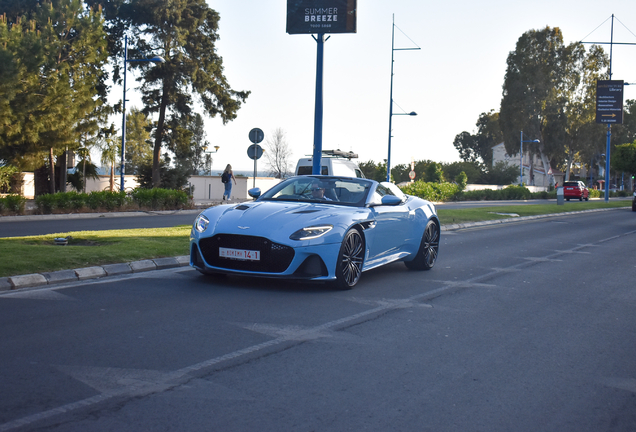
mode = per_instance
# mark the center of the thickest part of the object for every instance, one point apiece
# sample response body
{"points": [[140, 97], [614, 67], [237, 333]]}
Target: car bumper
{"points": [[315, 262]]}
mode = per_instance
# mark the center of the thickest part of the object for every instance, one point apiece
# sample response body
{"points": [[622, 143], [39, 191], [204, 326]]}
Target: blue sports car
{"points": [[317, 228]]}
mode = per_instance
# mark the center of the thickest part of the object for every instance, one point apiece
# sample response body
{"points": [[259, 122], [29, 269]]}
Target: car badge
{"points": [[242, 227]]}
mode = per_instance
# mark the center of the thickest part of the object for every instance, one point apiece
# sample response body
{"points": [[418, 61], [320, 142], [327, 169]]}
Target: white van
{"points": [[334, 162]]}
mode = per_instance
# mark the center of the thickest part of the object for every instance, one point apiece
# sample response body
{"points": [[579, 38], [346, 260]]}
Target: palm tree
{"points": [[110, 148]]}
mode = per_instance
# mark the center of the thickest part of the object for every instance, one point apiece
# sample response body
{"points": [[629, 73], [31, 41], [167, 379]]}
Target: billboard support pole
{"points": [[609, 126], [317, 157]]}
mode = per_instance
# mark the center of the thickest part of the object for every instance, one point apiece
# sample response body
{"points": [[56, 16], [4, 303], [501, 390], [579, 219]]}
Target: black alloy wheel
{"points": [[350, 259], [429, 247]]}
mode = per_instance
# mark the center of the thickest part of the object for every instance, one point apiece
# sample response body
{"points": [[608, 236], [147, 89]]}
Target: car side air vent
{"points": [[241, 207]]}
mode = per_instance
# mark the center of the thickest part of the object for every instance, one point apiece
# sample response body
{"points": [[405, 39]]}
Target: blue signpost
{"points": [[320, 17]]}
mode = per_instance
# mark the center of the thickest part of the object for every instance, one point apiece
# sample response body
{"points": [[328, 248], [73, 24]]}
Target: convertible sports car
{"points": [[318, 228]]}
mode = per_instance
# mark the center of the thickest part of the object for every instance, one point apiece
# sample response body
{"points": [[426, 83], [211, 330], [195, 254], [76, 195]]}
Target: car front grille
{"points": [[274, 257]]}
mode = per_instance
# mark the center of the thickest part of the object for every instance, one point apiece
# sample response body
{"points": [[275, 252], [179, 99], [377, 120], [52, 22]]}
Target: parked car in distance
{"points": [[575, 189]]}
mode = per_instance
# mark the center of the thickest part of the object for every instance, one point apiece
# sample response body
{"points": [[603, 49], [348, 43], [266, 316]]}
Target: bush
{"points": [[160, 199], [108, 200], [45, 203], [511, 192], [15, 203], [73, 201], [436, 192]]}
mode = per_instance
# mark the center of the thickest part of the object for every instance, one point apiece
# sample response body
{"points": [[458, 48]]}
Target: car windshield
{"points": [[571, 184], [322, 189]]}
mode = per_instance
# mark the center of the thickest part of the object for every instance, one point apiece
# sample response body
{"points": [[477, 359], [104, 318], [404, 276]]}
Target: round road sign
{"points": [[256, 135], [255, 151], [412, 174]]}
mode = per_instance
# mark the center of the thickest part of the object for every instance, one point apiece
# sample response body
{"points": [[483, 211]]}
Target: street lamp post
{"points": [[393, 49], [388, 159], [155, 59], [521, 157], [216, 149]]}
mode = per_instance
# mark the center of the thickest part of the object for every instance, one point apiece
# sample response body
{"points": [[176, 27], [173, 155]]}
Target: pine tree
{"points": [[184, 33]]}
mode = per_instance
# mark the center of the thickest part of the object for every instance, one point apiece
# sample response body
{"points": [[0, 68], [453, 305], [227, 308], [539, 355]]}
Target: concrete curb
{"points": [[94, 272]]}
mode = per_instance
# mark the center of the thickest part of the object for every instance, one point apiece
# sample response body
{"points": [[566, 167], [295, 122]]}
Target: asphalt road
{"points": [[526, 326]]}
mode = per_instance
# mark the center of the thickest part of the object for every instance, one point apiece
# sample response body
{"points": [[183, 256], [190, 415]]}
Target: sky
{"points": [[456, 75]]}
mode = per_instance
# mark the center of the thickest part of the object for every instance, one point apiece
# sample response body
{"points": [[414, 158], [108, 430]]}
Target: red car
{"points": [[575, 189]]}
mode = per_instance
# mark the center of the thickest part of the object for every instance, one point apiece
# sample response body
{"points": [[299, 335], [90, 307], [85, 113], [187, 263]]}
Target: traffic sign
{"points": [[256, 135], [412, 174], [609, 101], [255, 151]]}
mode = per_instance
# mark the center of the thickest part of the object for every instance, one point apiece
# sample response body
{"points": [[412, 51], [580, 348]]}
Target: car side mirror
{"points": [[254, 192], [391, 200]]}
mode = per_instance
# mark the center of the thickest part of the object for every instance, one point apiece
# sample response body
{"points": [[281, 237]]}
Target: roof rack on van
{"points": [[339, 153]]}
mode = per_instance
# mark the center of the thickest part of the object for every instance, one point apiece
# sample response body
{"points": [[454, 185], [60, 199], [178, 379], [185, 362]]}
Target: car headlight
{"points": [[201, 223], [311, 232]]}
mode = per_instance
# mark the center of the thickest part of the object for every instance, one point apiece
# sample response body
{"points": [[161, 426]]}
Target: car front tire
{"points": [[429, 247], [350, 259]]}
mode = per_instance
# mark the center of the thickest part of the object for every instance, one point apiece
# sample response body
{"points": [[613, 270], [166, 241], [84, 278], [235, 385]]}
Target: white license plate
{"points": [[241, 254]]}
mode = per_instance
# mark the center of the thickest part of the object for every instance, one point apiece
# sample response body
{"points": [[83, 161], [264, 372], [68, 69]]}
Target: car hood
{"points": [[278, 219]]}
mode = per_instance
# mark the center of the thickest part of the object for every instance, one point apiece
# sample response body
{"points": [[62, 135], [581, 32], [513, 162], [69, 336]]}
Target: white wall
{"points": [[210, 188], [103, 183], [205, 188], [472, 187]]}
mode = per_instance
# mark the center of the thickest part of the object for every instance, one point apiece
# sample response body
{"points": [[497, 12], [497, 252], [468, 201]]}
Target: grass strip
{"points": [[39, 254], [477, 214]]}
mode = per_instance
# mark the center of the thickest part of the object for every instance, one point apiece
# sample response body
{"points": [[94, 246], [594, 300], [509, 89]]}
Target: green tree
{"points": [[581, 133], [434, 173], [110, 148], [400, 173], [626, 132], [462, 180], [537, 74], [186, 145], [500, 174], [623, 158], [373, 171], [473, 148], [472, 170], [56, 58], [138, 143], [185, 34]]}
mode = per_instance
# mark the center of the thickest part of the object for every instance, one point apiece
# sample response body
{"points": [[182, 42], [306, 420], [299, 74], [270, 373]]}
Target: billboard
{"points": [[609, 101], [321, 16]]}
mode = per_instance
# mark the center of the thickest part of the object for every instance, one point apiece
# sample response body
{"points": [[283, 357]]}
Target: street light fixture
{"points": [[155, 59], [412, 113], [521, 157], [216, 149]]}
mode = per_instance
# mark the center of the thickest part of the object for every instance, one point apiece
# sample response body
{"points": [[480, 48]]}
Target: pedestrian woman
{"points": [[227, 177]]}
